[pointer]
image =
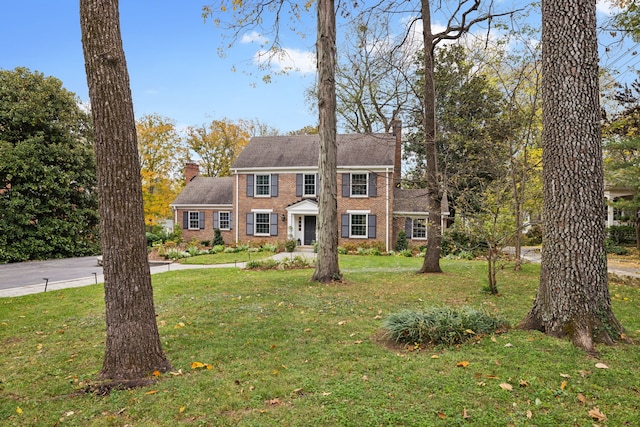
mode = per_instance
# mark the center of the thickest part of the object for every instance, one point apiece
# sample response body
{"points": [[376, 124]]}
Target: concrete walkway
{"points": [[155, 267]]}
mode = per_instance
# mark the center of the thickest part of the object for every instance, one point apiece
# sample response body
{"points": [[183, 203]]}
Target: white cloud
{"points": [[287, 60], [606, 7], [252, 37]]}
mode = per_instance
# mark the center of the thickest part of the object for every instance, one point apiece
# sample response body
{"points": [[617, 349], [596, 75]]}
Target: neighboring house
{"points": [[617, 216], [272, 194]]}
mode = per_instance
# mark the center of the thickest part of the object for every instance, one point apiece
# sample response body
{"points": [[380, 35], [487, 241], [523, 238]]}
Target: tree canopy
{"points": [[47, 170]]}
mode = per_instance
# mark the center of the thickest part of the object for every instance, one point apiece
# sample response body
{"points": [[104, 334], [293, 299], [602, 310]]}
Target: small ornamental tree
{"points": [[217, 238]]}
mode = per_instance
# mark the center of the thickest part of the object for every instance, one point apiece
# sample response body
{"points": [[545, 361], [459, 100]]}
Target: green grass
{"points": [[288, 352], [226, 258]]}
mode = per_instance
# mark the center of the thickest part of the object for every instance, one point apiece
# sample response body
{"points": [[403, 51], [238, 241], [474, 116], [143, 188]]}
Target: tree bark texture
{"points": [[133, 347], [573, 295], [327, 267], [431, 263]]}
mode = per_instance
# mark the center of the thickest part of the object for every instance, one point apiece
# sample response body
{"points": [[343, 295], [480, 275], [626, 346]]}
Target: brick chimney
{"points": [[397, 158], [191, 170]]}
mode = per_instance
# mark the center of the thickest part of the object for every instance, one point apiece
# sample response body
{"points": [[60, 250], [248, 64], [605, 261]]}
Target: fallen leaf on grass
{"points": [[523, 383], [463, 364], [565, 375], [563, 385], [601, 366], [200, 365], [152, 392], [581, 398], [182, 408], [529, 414], [596, 414], [441, 415], [465, 414], [19, 410], [435, 356], [156, 373], [506, 386], [275, 401]]}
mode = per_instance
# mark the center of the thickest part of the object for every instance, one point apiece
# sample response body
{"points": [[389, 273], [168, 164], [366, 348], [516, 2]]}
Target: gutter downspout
{"points": [[237, 215], [386, 243]]}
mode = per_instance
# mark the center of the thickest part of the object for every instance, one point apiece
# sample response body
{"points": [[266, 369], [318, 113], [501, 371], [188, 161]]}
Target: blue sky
{"points": [[173, 61]]}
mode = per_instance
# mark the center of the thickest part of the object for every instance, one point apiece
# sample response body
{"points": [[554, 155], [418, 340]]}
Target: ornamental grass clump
{"points": [[440, 325]]}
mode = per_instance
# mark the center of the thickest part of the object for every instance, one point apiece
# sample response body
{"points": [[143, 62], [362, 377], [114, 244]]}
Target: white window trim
{"points": [[366, 225], [304, 186], [426, 229], [255, 222], [228, 220], [197, 220], [366, 193], [255, 185]]}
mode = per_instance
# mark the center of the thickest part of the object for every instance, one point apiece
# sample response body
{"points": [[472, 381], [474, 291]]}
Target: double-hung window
{"points": [[263, 185], [419, 228], [194, 220], [224, 220], [262, 224], [309, 184], [359, 183], [358, 225]]}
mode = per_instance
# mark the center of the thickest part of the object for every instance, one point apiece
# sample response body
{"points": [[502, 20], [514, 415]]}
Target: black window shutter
{"points": [[250, 224], [201, 220], [345, 225], [273, 223], [230, 222], [346, 184], [373, 185], [216, 223], [298, 185], [185, 219], [274, 185], [408, 225], [372, 227], [317, 185], [249, 185]]}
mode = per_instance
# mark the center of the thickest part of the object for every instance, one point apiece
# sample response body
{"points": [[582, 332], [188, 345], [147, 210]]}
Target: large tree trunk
{"points": [[431, 263], [327, 267], [573, 295], [133, 347]]}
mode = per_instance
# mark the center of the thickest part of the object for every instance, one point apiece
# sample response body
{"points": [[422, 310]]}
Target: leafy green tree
{"points": [[48, 202], [621, 133]]}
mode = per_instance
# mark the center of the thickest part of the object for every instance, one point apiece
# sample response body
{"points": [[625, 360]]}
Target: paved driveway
{"points": [[34, 272]]}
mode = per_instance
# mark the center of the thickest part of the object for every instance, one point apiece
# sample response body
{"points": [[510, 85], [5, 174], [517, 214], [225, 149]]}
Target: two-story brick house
{"points": [[272, 194]]}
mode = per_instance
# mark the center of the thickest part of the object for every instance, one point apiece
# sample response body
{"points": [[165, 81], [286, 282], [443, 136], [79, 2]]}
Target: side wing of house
{"points": [[410, 214], [205, 204]]}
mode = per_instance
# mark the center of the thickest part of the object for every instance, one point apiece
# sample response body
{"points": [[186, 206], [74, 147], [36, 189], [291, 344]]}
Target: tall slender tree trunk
{"points": [[431, 263], [327, 267], [133, 347], [573, 295]]}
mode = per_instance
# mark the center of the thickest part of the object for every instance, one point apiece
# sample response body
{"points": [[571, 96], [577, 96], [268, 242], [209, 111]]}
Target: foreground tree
{"points": [[133, 349], [327, 267], [48, 205], [573, 295]]}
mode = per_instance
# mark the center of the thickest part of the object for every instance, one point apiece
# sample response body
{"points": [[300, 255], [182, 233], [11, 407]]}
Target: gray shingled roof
{"points": [[302, 150], [415, 200], [204, 190]]}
